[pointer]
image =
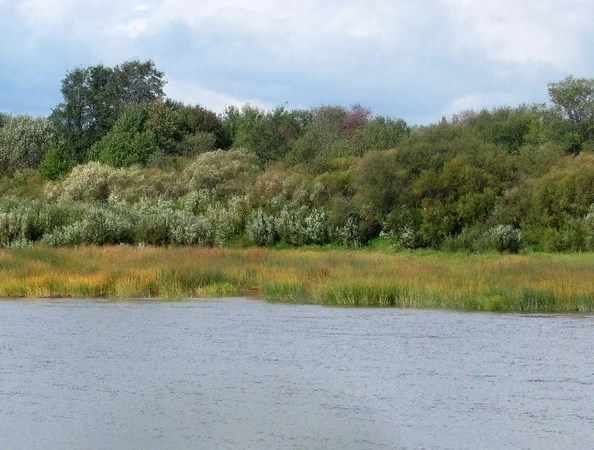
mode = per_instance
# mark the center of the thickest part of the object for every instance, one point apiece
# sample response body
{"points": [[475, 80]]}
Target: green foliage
{"points": [[293, 226], [566, 191], [491, 180], [24, 141], [226, 172], [382, 133], [266, 134], [506, 126], [55, 164], [383, 169], [88, 182], [196, 144], [95, 96], [321, 134], [140, 131], [575, 96]]}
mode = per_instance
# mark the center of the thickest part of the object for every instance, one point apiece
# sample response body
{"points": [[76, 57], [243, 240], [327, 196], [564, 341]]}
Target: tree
{"points": [[140, 131], [95, 96], [575, 97], [267, 134]]}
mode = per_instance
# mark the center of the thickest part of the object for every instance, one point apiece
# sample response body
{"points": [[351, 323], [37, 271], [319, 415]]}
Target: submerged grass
{"points": [[486, 282]]}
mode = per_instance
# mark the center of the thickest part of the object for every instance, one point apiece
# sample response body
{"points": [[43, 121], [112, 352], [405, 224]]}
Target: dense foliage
{"points": [[121, 164]]}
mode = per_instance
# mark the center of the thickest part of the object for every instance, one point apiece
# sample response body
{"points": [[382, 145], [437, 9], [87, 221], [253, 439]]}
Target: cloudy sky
{"points": [[413, 59]]}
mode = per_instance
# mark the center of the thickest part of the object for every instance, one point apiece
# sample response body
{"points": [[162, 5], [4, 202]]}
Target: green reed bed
{"points": [[486, 282]]}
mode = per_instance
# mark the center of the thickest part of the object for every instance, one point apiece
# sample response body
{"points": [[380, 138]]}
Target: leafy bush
{"points": [[266, 134], [302, 226], [24, 141], [261, 229], [86, 182], [227, 172], [294, 226], [382, 133], [196, 144], [188, 229], [101, 225], [55, 164], [505, 238]]}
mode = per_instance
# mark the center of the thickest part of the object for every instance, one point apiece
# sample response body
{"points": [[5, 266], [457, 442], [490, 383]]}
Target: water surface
{"points": [[244, 374]]}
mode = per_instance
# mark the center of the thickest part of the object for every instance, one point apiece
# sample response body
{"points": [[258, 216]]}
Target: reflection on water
{"points": [[245, 374]]}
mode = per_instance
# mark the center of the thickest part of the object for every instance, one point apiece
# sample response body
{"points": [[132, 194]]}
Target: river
{"points": [[240, 373]]}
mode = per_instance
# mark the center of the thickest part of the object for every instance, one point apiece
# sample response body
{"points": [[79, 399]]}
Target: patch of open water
{"points": [[245, 374]]}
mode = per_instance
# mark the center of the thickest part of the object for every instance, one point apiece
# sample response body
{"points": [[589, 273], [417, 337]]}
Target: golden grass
{"points": [[542, 282]]}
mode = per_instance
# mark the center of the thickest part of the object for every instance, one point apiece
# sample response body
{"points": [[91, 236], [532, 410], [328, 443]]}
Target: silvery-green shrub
{"points": [[154, 222], [302, 226], [101, 225], [505, 238], [260, 228], [86, 182], [349, 234], [229, 172], [24, 141], [189, 229], [228, 218], [197, 201]]}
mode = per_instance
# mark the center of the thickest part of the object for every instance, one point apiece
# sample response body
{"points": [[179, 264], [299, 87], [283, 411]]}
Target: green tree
{"points": [[575, 96], [267, 134], [140, 131], [95, 96]]}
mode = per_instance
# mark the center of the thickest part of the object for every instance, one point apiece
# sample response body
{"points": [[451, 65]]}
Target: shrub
{"points": [[382, 133], [196, 144], [188, 229], [3, 119], [227, 172], [470, 239], [139, 132], [86, 182], [55, 164], [302, 226], [101, 225], [228, 218], [154, 223], [261, 229], [24, 141], [505, 238]]}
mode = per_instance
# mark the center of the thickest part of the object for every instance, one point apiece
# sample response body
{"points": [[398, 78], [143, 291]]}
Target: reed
{"points": [[424, 279]]}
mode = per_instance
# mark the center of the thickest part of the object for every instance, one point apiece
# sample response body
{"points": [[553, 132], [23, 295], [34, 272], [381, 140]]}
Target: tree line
{"points": [[506, 178]]}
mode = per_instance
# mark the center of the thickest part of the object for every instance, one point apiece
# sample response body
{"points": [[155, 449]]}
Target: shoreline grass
{"points": [[484, 282]]}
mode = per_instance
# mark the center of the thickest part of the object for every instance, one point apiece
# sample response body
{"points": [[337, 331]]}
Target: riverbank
{"points": [[484, 282]]}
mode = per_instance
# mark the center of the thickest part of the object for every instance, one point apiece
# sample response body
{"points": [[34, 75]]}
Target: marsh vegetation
{"points": [[485, 282]]}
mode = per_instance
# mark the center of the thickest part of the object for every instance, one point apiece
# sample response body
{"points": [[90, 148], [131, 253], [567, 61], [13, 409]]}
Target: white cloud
{"points": [[477, 102], [192, 93], [524, 31]]}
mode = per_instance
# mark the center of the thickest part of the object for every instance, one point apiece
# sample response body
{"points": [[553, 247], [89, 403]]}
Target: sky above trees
{"points": [[416, 60]]}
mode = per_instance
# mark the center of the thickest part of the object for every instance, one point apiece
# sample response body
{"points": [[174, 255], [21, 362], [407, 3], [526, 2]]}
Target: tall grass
{"points": [[486, 282]]}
